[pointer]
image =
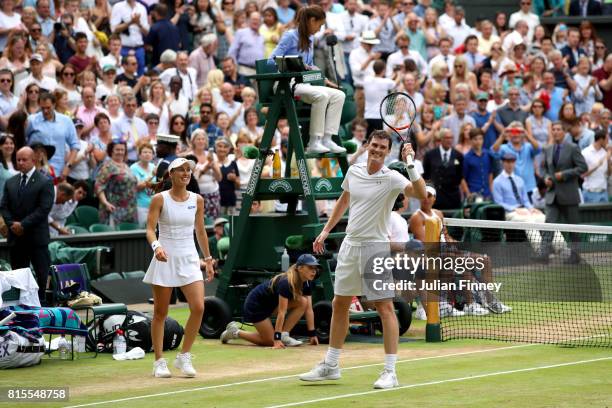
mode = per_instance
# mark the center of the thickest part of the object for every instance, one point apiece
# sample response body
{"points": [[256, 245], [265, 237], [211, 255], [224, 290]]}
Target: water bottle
{"points": [[79, 344], [119, 343], [63, 348], [285, 261]]}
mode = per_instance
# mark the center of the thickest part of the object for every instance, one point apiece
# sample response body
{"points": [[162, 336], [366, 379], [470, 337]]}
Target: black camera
{"points": [[58, 26]]}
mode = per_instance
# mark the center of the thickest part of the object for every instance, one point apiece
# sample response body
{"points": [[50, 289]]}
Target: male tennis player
{"points": [[370, 190]]}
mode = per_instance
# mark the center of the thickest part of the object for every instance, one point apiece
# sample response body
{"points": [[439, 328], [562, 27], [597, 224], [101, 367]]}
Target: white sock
{"points": [[390, 360], [332, 356]]}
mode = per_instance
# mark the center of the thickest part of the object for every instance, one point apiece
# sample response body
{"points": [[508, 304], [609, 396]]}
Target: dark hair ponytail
{"points": [[302, 17], [159, 186]]}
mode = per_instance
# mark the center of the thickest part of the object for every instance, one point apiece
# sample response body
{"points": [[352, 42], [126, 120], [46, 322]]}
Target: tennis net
{"points": [[554, 283]]}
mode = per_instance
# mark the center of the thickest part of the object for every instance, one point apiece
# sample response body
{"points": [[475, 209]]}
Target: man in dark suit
{"points": [[584, 8], [563, 166], [443, 167], [27, 201]]}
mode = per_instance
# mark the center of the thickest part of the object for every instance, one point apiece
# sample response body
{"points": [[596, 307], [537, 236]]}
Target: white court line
{"points": [[471, 377], [210, 387]]}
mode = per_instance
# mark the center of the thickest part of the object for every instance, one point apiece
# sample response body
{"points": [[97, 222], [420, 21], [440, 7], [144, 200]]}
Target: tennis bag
{"points": [[21, 341], [138, 332]]}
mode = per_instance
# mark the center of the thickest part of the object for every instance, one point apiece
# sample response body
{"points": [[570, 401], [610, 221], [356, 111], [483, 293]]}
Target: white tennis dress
{"points": [[176, 226]]}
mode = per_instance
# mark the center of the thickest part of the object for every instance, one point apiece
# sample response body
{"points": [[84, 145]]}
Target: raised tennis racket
{"points": [[398, 112]]}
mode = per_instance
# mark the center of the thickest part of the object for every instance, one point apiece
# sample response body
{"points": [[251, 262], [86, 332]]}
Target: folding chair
{"points": [[67, 275]]}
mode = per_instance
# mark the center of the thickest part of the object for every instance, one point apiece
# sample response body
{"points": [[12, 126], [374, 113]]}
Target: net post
{"points": [[433, 228]]}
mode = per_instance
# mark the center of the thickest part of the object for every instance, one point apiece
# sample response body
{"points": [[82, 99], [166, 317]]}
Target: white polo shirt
{"points": [[371, 200], [375, 89], [398, 228], [596, 180], [122, 13]]}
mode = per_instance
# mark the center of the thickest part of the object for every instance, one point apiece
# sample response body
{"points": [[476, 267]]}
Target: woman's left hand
{"points": [[314, 341], [210, 270]]}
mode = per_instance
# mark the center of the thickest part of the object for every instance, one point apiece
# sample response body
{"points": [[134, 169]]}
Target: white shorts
{"points": [[353, 275], [347, 281]]}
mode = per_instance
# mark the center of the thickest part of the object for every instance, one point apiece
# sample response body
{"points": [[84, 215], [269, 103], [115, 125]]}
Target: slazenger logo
{"points": [[280, 185], [323, 184], [304, 176], [254, 177]]}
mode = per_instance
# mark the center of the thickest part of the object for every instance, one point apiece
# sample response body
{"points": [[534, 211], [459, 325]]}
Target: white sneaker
{"points": [[322, 372], [387, 379], [420, 313], [290, 341], [160, 369], [474, 309], [332, 146], [315, 146], [447, 310], [504, 308], [231, 332], [183, 363]]}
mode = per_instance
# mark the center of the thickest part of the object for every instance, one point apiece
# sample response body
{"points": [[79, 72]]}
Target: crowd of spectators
{"points": [[91, 85]]}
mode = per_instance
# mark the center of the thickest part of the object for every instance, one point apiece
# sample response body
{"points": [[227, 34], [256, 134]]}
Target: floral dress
{"points": [[119, 185]]}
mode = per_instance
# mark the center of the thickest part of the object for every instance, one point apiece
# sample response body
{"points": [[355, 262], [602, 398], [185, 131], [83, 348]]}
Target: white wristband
{"points": [[155, 245], [413, 174]]}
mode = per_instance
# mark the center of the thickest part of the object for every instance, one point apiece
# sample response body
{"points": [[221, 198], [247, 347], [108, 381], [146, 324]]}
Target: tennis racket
{"points": [[398, 112]]}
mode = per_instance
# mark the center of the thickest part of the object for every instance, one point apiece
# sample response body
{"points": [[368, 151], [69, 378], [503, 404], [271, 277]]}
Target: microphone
{"points": [[331, 40], [351, 147], [250, 152], [295, 242]]}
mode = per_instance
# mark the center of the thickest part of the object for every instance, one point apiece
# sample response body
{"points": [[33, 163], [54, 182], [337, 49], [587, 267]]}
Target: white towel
{"points": [[23, 280], [134, 354]]}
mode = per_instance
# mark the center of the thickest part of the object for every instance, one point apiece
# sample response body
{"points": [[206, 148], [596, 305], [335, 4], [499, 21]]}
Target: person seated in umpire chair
{"points": [[327, 101]]}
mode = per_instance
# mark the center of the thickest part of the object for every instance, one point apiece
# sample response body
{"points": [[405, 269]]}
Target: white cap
{"points": [[430, 190], [179, 162], [162, 137]]}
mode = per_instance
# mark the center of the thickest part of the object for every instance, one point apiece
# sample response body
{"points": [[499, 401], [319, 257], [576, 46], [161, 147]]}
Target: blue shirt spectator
{"points": [[212, 131], [478, 171], [58, 132], [524, 165], [163, 35], [481, 119], [504, 193]]}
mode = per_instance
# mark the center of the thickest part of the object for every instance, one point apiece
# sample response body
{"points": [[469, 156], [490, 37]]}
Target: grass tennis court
{"points": [[454, 373]]}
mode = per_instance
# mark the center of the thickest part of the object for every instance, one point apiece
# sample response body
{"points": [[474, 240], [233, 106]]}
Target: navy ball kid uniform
{"points": [[263, 300]]}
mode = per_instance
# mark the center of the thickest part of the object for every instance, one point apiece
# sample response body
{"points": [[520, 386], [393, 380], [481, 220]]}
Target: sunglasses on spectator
{"points": [[600, 47], [33, 91], [153, 122], [205, 112], [68, 74], [5, 80], [35, 30]]}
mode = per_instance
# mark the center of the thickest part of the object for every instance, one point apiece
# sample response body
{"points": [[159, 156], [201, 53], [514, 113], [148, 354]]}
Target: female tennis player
{"points": [[326, 101], [176, 263], [289, 297]]}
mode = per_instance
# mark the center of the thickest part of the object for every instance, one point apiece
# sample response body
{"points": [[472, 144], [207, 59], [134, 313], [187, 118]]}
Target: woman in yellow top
{"points": [[271, 30]]}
